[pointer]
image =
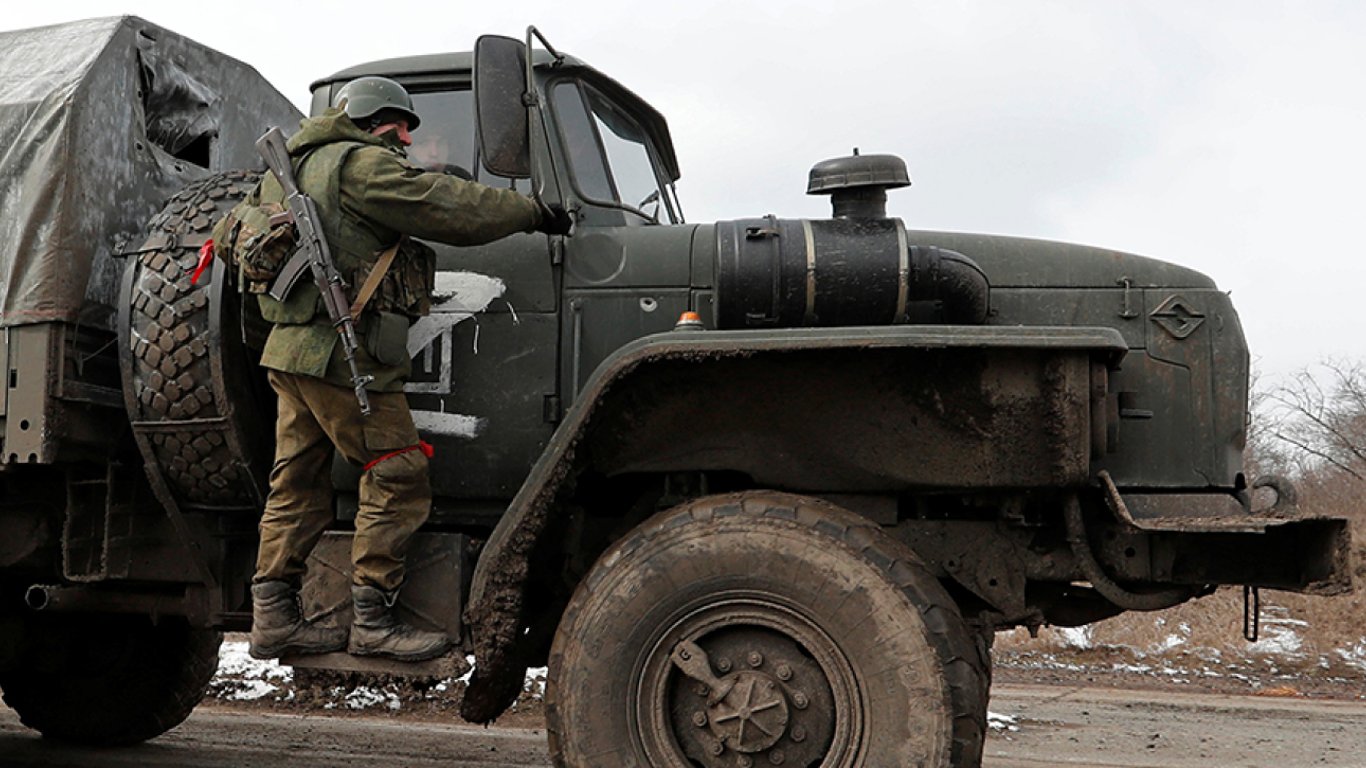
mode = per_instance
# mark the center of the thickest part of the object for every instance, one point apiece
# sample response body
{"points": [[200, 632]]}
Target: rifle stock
{"points": [[275, 151], [315, 255]]}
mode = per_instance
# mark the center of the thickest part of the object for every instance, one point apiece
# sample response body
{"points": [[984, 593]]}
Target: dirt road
{"points": [[1074, 727], [1106, 728]]}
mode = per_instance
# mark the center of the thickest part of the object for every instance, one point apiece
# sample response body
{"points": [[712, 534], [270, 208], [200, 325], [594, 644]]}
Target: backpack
{"points": [[255, 240]]}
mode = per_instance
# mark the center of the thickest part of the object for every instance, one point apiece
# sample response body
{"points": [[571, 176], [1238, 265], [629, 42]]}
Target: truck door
{"points": [[626, 267], [484, 387]]}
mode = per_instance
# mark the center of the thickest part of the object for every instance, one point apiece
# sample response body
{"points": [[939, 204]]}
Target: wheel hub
{"points": [[753, 714], [761, 712]]}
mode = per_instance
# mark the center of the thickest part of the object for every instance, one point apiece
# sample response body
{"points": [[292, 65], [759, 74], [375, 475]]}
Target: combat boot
{"points": [[376, 630], [278, 627]]}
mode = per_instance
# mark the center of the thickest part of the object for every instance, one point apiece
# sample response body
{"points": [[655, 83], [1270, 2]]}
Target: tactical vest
{"points": [[355, 244]]}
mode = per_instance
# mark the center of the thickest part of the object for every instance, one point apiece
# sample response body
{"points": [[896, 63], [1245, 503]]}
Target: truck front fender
{"points": [[828, 409]]}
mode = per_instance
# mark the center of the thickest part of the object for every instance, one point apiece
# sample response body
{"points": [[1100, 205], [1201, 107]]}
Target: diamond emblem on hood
{"points": [[1177, 317]]}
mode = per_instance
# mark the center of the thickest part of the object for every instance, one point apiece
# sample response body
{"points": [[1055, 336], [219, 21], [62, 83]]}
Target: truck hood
{"points": [[1016, 262]]}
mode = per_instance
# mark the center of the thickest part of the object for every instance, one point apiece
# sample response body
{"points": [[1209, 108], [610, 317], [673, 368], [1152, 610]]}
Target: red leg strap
{"points": [[422, 445]]}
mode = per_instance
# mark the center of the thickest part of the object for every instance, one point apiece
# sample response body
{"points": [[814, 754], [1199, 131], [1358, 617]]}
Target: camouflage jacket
{"points": [[368, 195]]}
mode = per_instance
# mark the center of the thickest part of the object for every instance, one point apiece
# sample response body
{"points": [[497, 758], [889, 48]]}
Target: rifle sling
{"points": [[373, 279]]}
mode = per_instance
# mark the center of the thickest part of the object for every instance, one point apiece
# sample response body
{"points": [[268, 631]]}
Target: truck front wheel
{"points": [[764, 629], [108, 680]]}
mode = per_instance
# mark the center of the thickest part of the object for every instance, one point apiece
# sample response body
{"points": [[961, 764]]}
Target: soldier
{"points": [[370, 198]]}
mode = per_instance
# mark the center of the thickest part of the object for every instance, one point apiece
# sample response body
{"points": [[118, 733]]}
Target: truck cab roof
{"points": [[432, 69]]}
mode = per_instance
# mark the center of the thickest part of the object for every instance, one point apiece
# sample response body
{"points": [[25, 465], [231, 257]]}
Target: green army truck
{"points": [[758, 491]]}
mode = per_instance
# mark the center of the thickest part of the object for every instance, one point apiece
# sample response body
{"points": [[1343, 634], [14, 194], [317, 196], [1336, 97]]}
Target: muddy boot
{"points": [[278, 627], [376, 631]]}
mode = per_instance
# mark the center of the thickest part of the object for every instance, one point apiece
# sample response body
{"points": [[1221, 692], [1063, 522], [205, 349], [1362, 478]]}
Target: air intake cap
{"points": [[858, 184]]}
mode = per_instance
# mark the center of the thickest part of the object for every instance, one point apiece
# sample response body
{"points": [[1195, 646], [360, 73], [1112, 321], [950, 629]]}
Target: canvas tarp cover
{"points": [[100, 122]]}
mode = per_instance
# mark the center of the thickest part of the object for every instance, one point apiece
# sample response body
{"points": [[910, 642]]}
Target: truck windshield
{"points": [[609, 152]]}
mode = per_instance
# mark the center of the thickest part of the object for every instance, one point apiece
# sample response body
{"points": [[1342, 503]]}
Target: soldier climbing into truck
{"points": [[371, 200]]}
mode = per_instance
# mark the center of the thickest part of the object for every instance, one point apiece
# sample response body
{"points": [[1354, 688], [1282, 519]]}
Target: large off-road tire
{"points": [[201, 412], [810, 637], [108, 680]]}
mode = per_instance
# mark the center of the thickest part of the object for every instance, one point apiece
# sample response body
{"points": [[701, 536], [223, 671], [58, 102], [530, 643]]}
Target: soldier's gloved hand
{"points": [[555, 220]]}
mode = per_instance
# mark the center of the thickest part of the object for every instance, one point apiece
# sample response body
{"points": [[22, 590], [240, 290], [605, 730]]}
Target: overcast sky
{"points": [[1227, 136]]}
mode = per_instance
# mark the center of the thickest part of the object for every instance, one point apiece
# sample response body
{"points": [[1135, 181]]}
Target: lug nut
{"points": [[776, 757], [756, 659], [798, 734], [799, 700], [784, 672], [717, 748], [723, 664], [702, 689], [745, 762], [699, 719]]}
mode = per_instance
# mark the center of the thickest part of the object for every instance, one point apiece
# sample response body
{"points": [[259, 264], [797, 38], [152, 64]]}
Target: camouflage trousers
{"points": [[395, 493]]}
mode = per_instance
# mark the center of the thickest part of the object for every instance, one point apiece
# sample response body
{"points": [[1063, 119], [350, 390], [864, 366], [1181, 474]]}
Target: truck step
{"points": [[453, 664]]}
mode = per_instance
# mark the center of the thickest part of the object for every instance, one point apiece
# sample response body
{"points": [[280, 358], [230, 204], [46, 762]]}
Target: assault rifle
{"points": [[313, 249]]}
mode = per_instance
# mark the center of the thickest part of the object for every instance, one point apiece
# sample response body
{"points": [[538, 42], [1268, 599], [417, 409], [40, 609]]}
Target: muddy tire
{"points": [[193, 392], [108, 680], [811, 638]]}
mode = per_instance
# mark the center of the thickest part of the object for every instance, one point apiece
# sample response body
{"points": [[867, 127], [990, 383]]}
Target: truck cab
{"points": [[520, 324]]}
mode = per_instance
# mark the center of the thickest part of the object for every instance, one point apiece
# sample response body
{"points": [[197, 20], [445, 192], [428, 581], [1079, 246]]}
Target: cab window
{"points": [[609, 153], [444, 142]]}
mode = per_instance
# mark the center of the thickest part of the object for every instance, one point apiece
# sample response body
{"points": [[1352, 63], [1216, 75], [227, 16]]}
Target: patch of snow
{"points": [[1169, 643], [250, 690], [1355, 656], [235, 661], [1277, 641], [1076, 637], [1000, 722], [465, 678], [242, 678], [1279, 637], [365, 697], [535, 682]]}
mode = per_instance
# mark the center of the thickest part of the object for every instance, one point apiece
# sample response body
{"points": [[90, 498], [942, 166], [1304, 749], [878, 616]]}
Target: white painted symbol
{"points": [[457, 297]]}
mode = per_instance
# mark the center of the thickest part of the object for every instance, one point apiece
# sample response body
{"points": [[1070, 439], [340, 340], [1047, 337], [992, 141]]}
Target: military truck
{"points": [[757, 491]]}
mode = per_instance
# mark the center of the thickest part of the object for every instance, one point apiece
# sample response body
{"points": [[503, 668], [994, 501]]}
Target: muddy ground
{"points": [[1088, 708], [1037, 725]]}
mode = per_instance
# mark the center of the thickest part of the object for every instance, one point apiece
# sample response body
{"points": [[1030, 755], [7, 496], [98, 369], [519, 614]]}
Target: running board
{"points": [[453, 664]]}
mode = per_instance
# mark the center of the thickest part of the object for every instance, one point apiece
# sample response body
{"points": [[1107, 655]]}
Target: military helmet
{"points": [[365, 97]]}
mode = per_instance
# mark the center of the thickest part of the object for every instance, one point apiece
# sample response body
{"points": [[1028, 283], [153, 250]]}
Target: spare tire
{"points": [[201, 410]]}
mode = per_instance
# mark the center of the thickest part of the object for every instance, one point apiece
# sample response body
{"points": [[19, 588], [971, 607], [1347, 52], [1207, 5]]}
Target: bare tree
{"points": [[1265, 454], [1319, 418]]}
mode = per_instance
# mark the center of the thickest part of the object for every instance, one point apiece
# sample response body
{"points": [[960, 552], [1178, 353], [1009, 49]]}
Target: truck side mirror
{"points": [[500, 109]]}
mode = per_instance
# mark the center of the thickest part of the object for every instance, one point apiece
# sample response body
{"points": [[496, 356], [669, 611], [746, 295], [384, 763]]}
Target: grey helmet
{"points": [[365, 97]]}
